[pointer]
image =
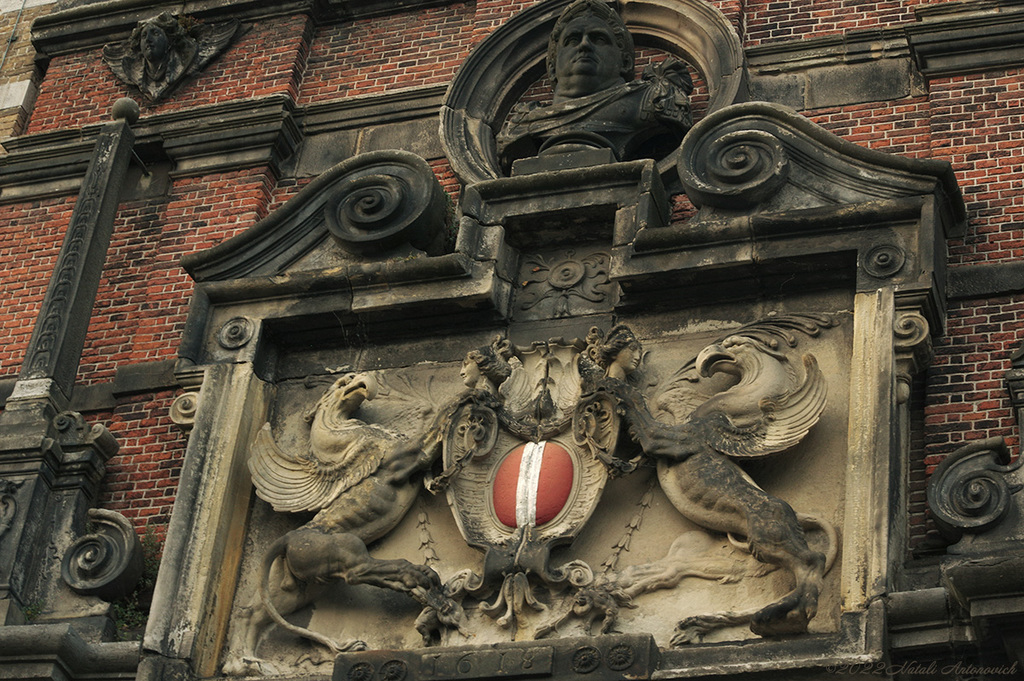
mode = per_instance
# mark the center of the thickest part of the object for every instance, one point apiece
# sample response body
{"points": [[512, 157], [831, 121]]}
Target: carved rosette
{"points": [[565, 284], [106, 563], [729, 169], [971, 490], [386, 199]]}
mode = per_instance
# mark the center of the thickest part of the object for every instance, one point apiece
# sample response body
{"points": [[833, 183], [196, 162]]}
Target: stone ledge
{"points": [[130, 379], [47, 651], [985, 280], [851, 68], [91, 25], [237, 134], [968, 37]]}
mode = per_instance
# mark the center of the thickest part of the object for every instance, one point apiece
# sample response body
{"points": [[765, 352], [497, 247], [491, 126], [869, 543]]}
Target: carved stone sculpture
{"points": [[770, 409], [348, 477], [523, 455], [162, 50], [597, 103]]}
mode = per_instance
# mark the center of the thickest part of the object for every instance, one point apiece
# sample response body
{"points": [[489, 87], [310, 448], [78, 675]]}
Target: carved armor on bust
{"points": [[597, 103]]}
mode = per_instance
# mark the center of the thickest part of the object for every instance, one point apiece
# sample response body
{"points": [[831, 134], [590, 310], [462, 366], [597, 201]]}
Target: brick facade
{"points": [[975, 121]]}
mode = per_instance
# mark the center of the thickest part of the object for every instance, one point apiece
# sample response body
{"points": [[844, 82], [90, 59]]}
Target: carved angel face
{"points": [[154, 43]]}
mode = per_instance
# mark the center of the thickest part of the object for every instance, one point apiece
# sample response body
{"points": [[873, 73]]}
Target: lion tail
{"points": [[277, 550]]}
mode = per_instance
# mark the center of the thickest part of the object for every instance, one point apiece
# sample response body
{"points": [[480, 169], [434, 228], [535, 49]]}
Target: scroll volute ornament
{"points": [[970, 491], [107, 562]]}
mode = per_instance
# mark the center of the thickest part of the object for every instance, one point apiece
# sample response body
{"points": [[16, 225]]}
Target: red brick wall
{"points": [[79, 89], [371, 56], [775, 20], [30, 238], [143, 476], [144, 295]]}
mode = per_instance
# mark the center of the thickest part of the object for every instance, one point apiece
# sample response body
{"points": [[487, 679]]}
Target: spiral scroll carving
{"points": [[971, 490], [386, 199], [106, 563], [733, 169], [183, 410]]}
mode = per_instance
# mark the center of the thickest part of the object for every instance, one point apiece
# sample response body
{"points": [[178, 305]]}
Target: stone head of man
{"points": [[589, 50]]}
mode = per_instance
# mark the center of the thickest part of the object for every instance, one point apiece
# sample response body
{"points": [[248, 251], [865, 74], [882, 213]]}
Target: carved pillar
{"points": [[207, 530], [51, 461], [866, 537]]}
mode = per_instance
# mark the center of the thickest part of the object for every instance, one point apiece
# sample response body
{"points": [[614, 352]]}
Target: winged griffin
{"points": [[769, 407], [523, 455], [349, 476]]}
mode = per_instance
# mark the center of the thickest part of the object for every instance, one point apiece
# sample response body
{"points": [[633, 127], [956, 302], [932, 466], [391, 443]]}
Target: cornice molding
{"points": [[90, 25], [968, 37], [239, 134], [846, 48], [233, 135]]}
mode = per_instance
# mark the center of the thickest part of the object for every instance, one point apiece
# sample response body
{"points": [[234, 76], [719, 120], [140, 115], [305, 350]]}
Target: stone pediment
{"points": [[374, 206], [765, 158]]}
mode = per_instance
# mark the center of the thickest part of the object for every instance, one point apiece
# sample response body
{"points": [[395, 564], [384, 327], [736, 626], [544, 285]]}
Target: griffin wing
{"points": [[300, 483], [679, 395], [784, 419]]}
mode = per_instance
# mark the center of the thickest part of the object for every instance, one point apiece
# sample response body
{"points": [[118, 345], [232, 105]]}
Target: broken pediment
{"points": [[378, 205]]}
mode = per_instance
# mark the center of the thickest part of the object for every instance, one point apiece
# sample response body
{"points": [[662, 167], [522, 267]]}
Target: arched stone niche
{"points": [[508, 61]]}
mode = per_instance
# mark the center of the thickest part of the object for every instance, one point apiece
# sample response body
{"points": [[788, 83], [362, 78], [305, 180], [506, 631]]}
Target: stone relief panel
{"points": [[568, 487]]}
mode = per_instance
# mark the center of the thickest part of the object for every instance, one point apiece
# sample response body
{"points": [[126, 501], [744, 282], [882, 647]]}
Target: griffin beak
{"points": [[363, 385], [714, 359]]}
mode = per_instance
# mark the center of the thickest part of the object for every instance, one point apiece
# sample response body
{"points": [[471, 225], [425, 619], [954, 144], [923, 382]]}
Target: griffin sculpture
{"points": [[359, 478]]}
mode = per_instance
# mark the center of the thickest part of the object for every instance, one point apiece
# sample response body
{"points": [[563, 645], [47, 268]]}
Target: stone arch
{"points": [[501, 67]]}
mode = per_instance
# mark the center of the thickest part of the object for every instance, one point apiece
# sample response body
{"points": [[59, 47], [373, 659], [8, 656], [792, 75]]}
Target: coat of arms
{"points": [[523, 456]]}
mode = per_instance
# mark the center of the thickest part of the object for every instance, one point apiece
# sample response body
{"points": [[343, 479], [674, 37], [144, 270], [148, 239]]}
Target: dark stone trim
{"points": [[238, 134], [985, 280], [968, 38], [359, 112], [851, 68], [130, 379], [92, 25], [27, 650], [833, 50]]}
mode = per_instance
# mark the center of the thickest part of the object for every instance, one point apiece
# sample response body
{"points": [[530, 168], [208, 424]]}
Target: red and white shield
{"points": [[532, 484]]}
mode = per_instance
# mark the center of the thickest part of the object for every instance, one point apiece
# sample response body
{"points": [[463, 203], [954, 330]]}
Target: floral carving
{"points": [[558, 285]]}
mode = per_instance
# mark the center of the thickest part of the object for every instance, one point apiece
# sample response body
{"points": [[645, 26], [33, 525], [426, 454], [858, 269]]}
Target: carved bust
{"points": [[162, 50], [597, 102]]}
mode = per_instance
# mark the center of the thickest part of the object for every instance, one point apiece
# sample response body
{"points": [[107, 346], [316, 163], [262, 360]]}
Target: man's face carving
{"points": [[588, 59]]}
